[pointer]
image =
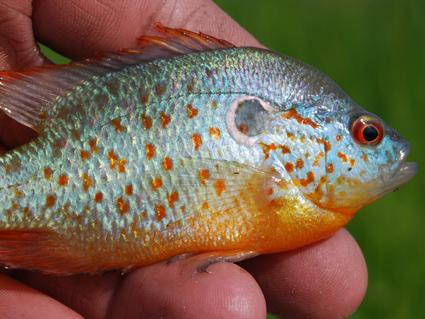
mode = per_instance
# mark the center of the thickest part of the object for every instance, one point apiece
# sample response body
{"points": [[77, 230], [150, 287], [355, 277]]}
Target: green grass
{"points": [[375, 49]]}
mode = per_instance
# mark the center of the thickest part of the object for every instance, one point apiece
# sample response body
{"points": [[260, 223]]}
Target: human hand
{"points": [[325, 280]]}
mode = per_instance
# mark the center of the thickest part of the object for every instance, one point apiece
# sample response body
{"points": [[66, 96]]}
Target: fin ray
{"points": [[219, 185]]}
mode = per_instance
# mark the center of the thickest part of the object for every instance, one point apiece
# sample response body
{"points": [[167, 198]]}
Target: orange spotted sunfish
{"points": [[184, 145]]}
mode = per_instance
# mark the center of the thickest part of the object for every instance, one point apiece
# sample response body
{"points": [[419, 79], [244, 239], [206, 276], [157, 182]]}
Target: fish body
{"points": [[209, 148]]}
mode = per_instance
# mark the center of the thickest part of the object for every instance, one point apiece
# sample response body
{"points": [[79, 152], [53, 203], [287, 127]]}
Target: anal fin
{"points": [[39, 250], [224, 256]]}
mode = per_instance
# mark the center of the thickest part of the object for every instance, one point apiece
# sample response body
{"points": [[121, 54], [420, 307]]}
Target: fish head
{"points": [[338, 155], [364, 159], [341, 157]]}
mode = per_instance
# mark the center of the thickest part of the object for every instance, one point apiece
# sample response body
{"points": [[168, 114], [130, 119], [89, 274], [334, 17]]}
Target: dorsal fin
{"points": [[26, 95], [179, 41]]}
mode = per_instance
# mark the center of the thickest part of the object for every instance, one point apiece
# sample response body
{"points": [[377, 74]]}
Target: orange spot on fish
{"points": [[338, 138], [190, 88], [269, 191], [215, 132], [50, 200], [244, 128], [117, 124], [85, 155], [134, 228], [129, 190], [204, 175], [172, 198], [113, 158], [330, 168], [144, 96], [325, 143], [364, 157], [98, 197], [318, 158], [43, 115], [285, 149], [191, 111], [59, 144], [63, 180], [293, 114], [343, 157], [18, 193], [150, 151], [121, 165], [299, 164], [146, 121], [167, 163], [302, 139], [123, 206], [47, 173], [352, 162], [205, 205], [144, 99], [76, 134], [327, 146], [220, 186], [159, 212], [27, 212], [144, 215], [156, 183], [290, 135], [289, 167], [267, 148], [165, 119], [197, 141], [87, 182], [93, 145], [214, 104], [159, 89], [309, 179]]}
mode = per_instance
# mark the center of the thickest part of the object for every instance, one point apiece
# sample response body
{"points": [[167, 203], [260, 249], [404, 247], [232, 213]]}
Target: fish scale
{"points": [[187, 145]]}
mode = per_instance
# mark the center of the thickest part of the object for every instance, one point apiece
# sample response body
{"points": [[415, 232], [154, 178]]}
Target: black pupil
{"points": [[370, 133]]}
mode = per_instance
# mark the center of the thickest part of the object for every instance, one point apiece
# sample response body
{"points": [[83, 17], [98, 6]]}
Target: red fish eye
{"points": [[367, 131]]}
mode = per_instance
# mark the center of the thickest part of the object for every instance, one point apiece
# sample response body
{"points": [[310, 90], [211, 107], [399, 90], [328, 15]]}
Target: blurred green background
{"points": [[374, 49]]}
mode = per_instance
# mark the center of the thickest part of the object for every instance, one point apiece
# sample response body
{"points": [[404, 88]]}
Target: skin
{"points": [[325, 280]]}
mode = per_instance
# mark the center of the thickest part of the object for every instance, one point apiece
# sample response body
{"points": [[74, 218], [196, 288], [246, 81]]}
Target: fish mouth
{"points": [[405, 172]]}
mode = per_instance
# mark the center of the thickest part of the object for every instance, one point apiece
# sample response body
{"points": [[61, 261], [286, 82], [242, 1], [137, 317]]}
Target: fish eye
{"points": [[367, 130]]}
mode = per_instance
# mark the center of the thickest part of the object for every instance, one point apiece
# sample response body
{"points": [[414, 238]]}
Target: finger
{"points": [[92, 26], [17, 45], [20, 301], [325, 280], [88, 295], [178, 291], [167, 290]]}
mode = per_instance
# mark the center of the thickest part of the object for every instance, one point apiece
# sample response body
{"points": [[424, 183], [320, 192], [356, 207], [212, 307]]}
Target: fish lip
{"points": [[404, 172]]}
